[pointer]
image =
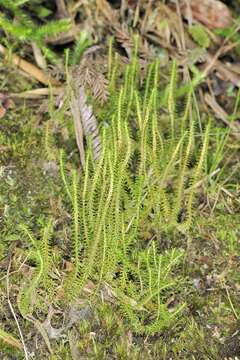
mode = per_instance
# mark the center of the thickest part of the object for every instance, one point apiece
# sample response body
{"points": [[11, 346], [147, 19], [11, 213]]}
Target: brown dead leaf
{"points": [[211, 13], [5, 104]]}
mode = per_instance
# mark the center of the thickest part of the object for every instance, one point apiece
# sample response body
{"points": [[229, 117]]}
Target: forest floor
{"points": [[33, 129]]}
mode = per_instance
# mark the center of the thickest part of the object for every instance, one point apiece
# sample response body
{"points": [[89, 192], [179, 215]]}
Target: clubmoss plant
{"points": [[40, 254], [143, 181]]}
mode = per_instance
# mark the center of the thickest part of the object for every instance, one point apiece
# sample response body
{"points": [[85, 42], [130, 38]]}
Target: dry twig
{"points": [[37, 93], [40, 60], [222, 115], [13, 313], [30, 69]]}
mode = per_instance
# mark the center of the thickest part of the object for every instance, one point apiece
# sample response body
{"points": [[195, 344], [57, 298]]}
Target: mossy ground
{"points": [[31, 189]]}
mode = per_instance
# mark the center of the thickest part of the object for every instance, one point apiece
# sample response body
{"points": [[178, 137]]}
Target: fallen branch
{"points": [[37, 93], [221, 114], [15, 317], [29, 68]]}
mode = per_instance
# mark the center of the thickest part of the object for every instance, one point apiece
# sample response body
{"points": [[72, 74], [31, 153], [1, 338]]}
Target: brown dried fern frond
{"points": [[89, 123], [78, 126], [125, 39], [88, 75], [85, 124]]}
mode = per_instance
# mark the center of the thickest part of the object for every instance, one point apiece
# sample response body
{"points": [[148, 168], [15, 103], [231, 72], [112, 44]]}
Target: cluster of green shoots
{"points": [[141, 190]]}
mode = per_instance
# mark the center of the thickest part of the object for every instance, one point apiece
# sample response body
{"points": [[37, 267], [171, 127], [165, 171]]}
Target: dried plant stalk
{"points": [[75, 110], [89, 123], [87, 76]]}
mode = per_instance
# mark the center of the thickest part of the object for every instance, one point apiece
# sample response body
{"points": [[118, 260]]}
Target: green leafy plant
{"points": [[39, 254], [83, 41], [199, 35], [17, 23], [128, 200], [142, 180]]}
